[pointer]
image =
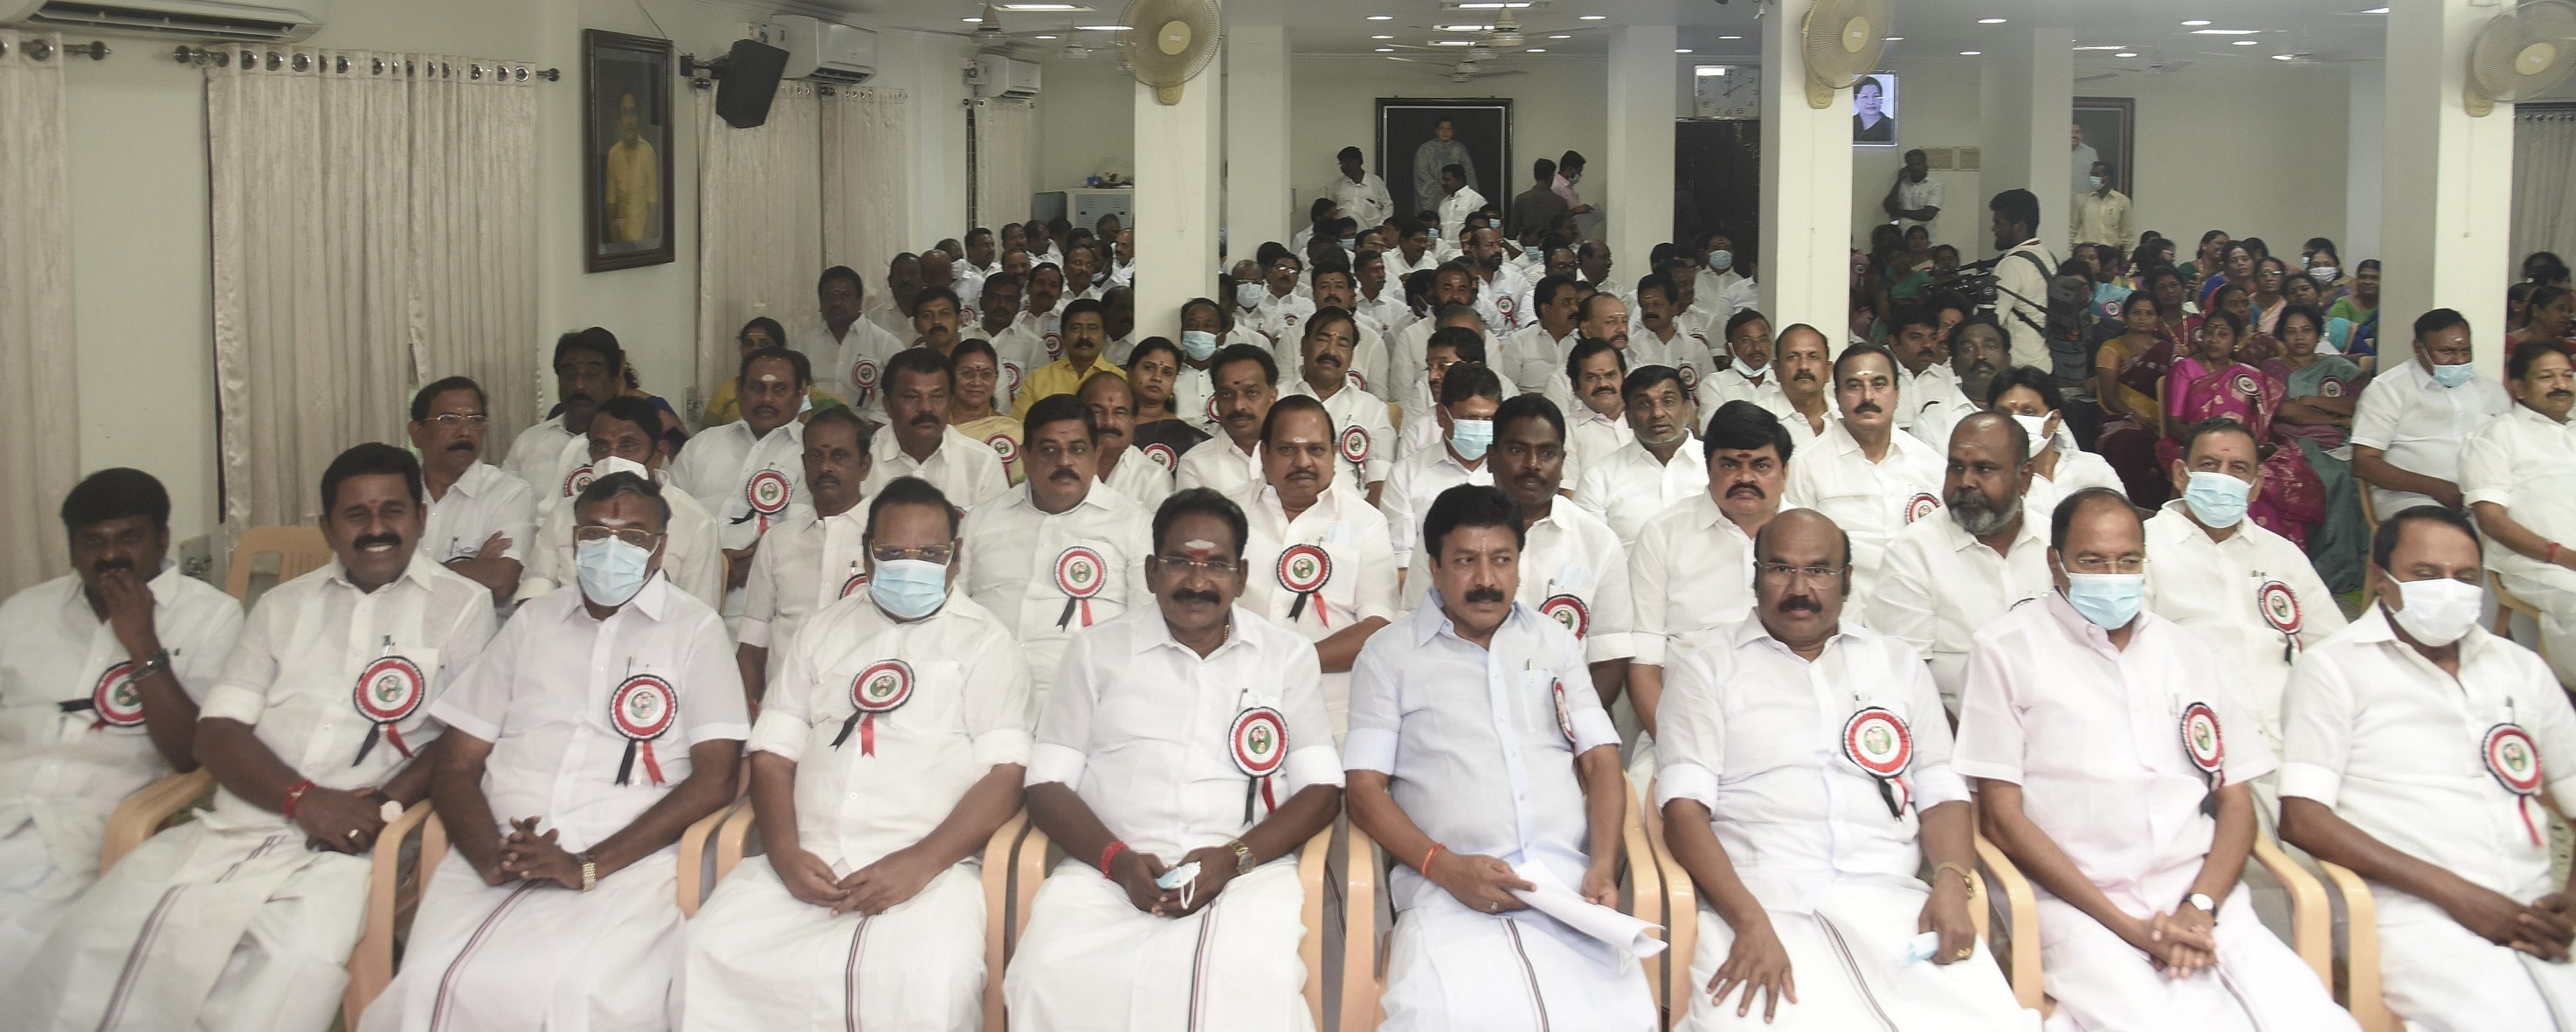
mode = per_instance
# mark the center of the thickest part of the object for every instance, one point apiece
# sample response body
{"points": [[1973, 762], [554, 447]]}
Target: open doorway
{"points": [[1717, 180]]}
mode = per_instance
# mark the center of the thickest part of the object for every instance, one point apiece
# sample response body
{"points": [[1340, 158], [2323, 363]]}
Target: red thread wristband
{"points": [[1425, 868], [2553, 553], [1108, 853], [294, 795]]}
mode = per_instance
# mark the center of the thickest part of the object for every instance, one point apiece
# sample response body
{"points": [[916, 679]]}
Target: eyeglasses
{"points": [[2098, 565], [939, 554], [1184, 566], [1056, 453], [1784, 571], [452, 420], [636, 536]]}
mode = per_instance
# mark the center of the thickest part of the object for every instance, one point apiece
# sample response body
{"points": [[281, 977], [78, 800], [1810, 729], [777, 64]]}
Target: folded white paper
{"points": [[1553, 898]]}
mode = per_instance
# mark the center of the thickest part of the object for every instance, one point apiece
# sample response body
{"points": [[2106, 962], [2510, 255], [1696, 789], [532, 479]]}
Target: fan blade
{"points": [[1416, 60], [1490, 75], [2097, 78]]}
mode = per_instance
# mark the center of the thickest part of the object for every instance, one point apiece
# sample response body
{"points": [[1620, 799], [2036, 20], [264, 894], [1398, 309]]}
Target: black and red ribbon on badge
{"points": [[1079, 573], [388, 691], [1877, 741], [882, 688], [1304, 569], [2515, 761], [114, 700], [1260, 745], [642, 709]]}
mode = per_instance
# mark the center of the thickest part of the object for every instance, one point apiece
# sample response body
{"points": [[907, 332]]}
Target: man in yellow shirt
{"points": [[631, 189], [1086, 331], [762, 332]]}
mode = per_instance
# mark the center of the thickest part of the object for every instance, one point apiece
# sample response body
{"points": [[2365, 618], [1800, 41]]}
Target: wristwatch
{"points": [[1242, 856], [2207, 905]]}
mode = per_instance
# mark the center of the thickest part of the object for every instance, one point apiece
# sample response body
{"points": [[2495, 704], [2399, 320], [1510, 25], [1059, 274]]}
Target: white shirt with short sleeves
{"points": [[2422, 426], [1359, 580], [718, 466], [806, 563], [1572, 570], [1871, 501], [2252, 601], [1028, 569], [485, 500]]}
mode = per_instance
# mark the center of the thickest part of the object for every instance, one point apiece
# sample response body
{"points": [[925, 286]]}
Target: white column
{"points": [[2027, 83], [1261, 201], [1176, 200], [2365, 120], [2446, 208], [1805, 264], [1637, 204]]}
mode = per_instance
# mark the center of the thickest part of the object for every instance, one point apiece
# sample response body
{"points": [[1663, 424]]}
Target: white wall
{"points": [[2254, 151], [1086, 120], [1937, 106]]}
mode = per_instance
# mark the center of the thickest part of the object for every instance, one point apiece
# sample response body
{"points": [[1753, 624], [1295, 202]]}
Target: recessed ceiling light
{"points": [[1730, 37], [1681, 50], [972, 21], [1386, 50], [2284, 57], [2113, 46], [2197, 21], [1381, 37], [2376, 10], [1704, 71], [1453, 42], [1891, 39], [1990, 21], [1592, 17], [1560, 36], [1970, 53], [1381, 17], [1043, 37], [2246, 42], [1535, 50], [2125, 53], [2224, 32]]}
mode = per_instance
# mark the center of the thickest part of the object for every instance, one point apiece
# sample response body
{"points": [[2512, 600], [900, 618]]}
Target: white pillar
{"points": [[2446, 208], [1261, 201], [1176, 200], [2027, 83], [2365, 119], [1637, 205], [1804, 266]]}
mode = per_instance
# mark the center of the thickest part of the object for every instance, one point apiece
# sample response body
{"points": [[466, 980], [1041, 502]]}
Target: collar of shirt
{"points": [[2373, 627], [420, 570], [472, 483], [1094, 498], [1432, 621], [1158, 634]]}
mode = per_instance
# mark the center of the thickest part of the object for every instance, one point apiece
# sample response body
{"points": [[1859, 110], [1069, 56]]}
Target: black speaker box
{"points": [[750, 82]]}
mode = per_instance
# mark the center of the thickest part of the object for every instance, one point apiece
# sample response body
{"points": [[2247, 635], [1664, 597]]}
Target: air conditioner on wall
{"points": [[180, 19], [993, 75], [824, 51]]}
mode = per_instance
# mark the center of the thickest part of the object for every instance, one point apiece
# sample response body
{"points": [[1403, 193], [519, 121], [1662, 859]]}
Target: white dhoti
{"points": [[759, 958], [1453, 968], [202, 927], [523, 955], [1091, 961], [45, 861], [1848, 959], [2441, 977], [2103, 984], [2552, 590]]}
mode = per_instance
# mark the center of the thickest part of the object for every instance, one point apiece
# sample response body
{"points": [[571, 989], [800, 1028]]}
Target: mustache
{"points": [[2561, 394], [765, 411], [1804, 373], [118, 563], [1064, 473], [579, 398], [1798, 604], [462, 445], [824, 480], [1747, 489], [1867, 406], [1208, 598], [1485, 595], [372, 540], [926, 419]]}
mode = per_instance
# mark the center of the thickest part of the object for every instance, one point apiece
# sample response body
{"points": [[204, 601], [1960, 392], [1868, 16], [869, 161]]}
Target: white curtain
{"points": [[867, 177], [760, 226], [1005, 154], [39, 417], [2544, 181], [472, 309]]}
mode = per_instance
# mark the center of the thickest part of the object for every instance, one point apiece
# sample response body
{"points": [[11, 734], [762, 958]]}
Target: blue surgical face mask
{"points": [[2107, 600], [1197, 345], [1720, 261], [2096, 181], [1247, 294], [909, 588], [1573, 179], [2454, 375], [1470, 437], [2216, 499], [610, 570], [1351, 244]]}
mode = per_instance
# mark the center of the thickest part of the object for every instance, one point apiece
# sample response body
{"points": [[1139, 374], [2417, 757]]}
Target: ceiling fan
{"points": [[1463, 71], [989, 35]]}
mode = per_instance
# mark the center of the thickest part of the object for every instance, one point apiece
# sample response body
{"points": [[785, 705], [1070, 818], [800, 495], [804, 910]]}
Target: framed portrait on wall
{"points": [[625, 150], [1874, 111], [2106, 130], [1417, 137]]}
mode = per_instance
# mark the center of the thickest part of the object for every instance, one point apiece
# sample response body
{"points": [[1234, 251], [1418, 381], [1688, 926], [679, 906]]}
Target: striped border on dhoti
{"points": [[1538, 1000], [447, 980], [850, 976], [152, 925]]}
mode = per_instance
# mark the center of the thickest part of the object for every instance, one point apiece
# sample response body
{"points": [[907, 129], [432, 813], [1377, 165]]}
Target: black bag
{"points": [[2069, 307]]}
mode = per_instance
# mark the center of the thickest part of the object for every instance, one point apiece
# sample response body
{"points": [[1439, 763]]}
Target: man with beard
{"points": [[482, 520], [903, 283], [1366, 363], [2023, 273], [1469, 396], [1594, 371], [589, 369], [1930, 390], [2500, 476], [101, 670], [851, 351], [1086, 333], [1805, 785], [621, 441], [1748, 374], [1478, 759], [1019, 348], [814, 555], [750, 472], [1534, 354], [1498, 282], [920, 443], [1366, 441], [1062, 555], [1189, 735], [1872, 480], [1645, 477], [1978, 353], [1319, 558], [1038, 318], [1123, 467], [982, 253], [2247, 596], [1946, 579], [1245, 381], [244, 917], [934, 320]]}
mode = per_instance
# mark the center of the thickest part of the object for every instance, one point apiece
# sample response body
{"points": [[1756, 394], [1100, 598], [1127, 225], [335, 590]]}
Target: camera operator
{"points": [[2022, 274]]}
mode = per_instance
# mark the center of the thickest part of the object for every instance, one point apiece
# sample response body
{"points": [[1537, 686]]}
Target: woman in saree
{"points": [[2253, 348], [2213, 383], [2237, 268], [2551, 313], [2316, 417], [972, 410], [2125, 371], [2271, 282]]}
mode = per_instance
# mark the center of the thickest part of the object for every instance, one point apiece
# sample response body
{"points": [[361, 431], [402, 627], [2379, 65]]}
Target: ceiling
{"points": [[2328, 30]]}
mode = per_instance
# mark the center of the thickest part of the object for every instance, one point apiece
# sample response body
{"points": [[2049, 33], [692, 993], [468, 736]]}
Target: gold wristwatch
{"points": [[1242, 856], [589, 873]]}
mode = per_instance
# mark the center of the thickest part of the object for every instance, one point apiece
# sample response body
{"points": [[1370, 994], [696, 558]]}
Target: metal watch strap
{"points": [[589, 873], [159, 663], [1242, 857]]}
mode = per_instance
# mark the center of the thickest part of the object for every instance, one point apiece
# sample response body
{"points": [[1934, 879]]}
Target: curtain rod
{"points": [[39, 48], [341, 65]]}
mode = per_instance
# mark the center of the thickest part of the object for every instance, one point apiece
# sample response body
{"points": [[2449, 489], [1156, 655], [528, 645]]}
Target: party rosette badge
{"points": [[389, 691], [1876, 741], [1260, 745], [880, 689], [642, 709]]}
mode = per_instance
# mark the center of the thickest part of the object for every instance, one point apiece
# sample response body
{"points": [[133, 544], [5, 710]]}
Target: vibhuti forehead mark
{"points": [[1198, 546]]}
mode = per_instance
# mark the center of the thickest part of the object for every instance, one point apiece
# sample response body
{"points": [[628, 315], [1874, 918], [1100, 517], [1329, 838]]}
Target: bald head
{"points": [[1986, 474], [1994, 430]]}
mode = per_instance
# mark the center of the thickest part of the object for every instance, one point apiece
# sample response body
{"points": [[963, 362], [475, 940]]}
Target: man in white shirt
{"points": [[1749, 374], [1662, 466], [1415, 249], [1597, 421], [2022, 274], [1805, 784], [1283, 310], [604, 720], [101, 671], [1913, 199], [852, 351], [2415, 421], [1246, 381], [1040, 316], [1414, 362], [1319, 560], [244, 917], [1061, 555], [621, 440], [1592, 260], [1359, 193], [1719, 274], [1671, 337], [2519, 477], [1479, 762], [482, 520], [1457, 201], [891, 311], [1499, 282], [1805, 378], [1928, 395], [1019, 348], [747, 473], [1123, 467], [2416, 751], [2114, 771], [590, 368], [869, 806], [1573, 568], [1365, 449], [1378, 297], [1872, 480], [1534, 355], [1183, 757], [1978, 353], [1944, 579], [2057, 467], [918, 442], [1469, 396], [1368, 359], [2246, 595], [814, 556]]}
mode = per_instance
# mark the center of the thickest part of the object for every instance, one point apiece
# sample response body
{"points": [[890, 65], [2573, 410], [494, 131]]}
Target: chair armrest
{"points": [[1360, 969], [2360, 952], [1644, 877], [142, 814], [1681, 914], [2311, 917], [1028, 872], [733, 840], [997, 912], [1978, 914], [692, 876], [1311, 860], [371, 964], [2021, 914]]}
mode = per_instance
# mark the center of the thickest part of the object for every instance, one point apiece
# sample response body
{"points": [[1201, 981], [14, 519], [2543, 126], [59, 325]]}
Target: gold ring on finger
{"points": [[1965, 952]]}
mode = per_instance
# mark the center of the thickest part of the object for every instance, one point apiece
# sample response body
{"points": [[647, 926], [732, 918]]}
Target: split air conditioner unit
{"points": [[176, 19], [824, 51], [993, 75]]}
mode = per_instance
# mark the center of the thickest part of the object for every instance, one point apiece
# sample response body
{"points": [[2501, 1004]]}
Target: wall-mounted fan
{"points": [[1844, 41], [1169, 42], [2521, 54]]}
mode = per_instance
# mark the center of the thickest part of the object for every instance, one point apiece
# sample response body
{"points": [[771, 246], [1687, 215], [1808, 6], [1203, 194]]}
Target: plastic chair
{"points": [[150, 809], [299, 551], [2018, 948], [2311, 916], [391, 899], [2353, 922], [704, 858]]}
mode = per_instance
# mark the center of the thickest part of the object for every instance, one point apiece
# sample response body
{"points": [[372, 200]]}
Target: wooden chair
{"points": [[2311, 918], [299, 550], [2507, 605], [143, 814], [391, 899], [2351, 921], [2017, 949], [705, 856]]}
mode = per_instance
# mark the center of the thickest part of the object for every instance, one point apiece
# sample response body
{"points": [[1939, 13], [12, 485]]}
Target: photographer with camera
{"points": [[2021, 276]]}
